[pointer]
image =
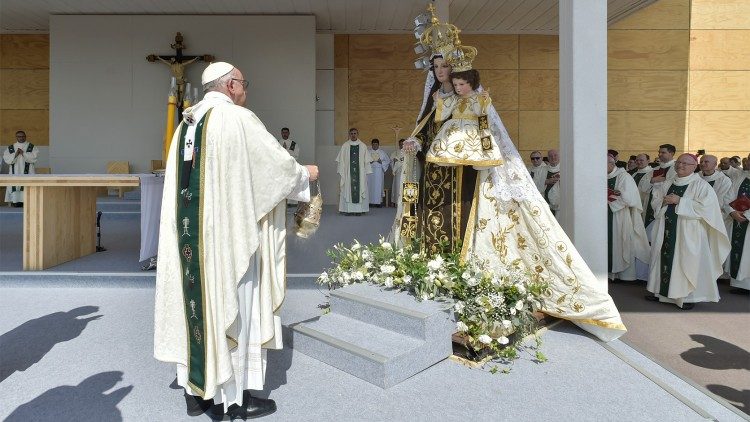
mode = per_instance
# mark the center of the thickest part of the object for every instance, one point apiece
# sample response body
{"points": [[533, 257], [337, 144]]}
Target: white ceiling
{"points": [[337, 16]]}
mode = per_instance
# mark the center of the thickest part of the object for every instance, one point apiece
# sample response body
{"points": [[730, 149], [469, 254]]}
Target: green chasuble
{"points": [[670, 238], [354, 172], [739, 231], [637, 177], [189, 228], [611, 185]]}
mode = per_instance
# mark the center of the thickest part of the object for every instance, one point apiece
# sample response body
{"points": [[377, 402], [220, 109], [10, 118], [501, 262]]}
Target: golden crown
{"points": [[460, 57], [434, 37]]}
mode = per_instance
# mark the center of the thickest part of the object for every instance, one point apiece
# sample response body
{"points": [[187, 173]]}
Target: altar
{"points": [[59, 214]]}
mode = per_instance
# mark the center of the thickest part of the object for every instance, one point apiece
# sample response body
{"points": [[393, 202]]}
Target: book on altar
{"points": [[660, 172], [741, 204]]}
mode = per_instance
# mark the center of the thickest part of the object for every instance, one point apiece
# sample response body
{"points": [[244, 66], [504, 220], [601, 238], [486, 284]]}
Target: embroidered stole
{"points": [[670, 240]]}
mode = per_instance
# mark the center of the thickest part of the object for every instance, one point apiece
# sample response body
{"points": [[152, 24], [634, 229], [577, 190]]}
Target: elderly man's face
{"points": [[641, 161], [554, 157], [685, 165], [708, 164], [284, 134], [536, 159], [724, 163], [236, 87]]}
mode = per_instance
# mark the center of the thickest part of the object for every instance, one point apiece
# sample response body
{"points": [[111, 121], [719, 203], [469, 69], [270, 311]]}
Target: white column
{"points": [[583, 128]]}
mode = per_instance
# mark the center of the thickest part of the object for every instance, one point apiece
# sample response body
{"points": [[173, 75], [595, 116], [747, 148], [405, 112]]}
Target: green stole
{"points": [[739, 231], [611, 185], [26, 166], [189, 216], [354, 172], [637, 177], [649, 208], [670, 239]]}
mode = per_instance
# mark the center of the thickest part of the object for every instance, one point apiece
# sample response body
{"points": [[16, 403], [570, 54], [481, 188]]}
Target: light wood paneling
{"points": [[34, 122], [503, 88], [24, 51], [538, 130], [340, 105], [539, 89], [720, 50], [720, 90], [646, 130], [379, 124], [386, 89], [663, 14], [340, 51], [24, 89], [647, 89], [648, 50], [720, 130], [510, 120], [720, 14], [539, 52], [382, 52], [493, 51]]}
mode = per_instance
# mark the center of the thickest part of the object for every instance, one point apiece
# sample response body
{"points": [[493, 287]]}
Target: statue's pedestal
{"points": [[380, 336]]}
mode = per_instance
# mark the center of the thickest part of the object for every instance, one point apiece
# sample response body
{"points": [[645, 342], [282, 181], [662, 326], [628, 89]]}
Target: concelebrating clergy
{"points": [[379, 161], [738, 264], [221, 275], [353, 166], [21, 157], [690, 240]]}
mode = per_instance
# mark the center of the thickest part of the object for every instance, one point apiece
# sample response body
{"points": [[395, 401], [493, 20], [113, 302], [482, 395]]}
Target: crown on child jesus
{"points": [[461, 57]]}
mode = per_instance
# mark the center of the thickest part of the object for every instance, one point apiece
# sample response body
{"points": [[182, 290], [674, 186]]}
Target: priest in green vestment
{"points": [[221, 275], [738, 264], [353, 166]]}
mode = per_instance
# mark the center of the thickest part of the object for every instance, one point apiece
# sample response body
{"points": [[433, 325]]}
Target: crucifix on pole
{"points": [[177, 64]]}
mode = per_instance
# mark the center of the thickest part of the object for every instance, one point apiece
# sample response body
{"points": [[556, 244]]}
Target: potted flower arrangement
{"points": [[492, 304]]}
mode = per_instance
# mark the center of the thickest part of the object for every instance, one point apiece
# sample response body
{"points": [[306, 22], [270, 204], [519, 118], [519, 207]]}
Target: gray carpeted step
{"points": [[110, 206], [374, 354], [393, 310]]}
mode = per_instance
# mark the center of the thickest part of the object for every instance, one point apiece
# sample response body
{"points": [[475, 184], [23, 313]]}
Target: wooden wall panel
{"points": [[664, 14], [379, 124], [540, 90], [538, 130], [34, 122], [493, 51], [648, 50], [340, 105], [720, 14], [24, 51], [647, 89], [720, 130], [720, 50], [24, 89], [539, 52], [340, 50], [503, 88], [382, 52], [720, 90], [386, 89], [510, 120], [645, 130]]}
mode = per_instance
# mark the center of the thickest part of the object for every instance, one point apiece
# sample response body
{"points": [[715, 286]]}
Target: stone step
{"points": [[374, 354], [393, 310]]}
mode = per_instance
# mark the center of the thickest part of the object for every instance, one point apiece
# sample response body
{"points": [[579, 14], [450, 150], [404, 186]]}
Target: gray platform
{"points": [[380, 336]]}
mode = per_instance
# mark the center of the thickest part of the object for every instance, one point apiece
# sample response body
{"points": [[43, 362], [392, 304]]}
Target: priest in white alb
{"points": [[551, 192], [397, 164], [720, 182], [21, 157], [642, 178], [627, 235], [353, 166], [666, 172], [738, 264], [221, 275], [379, 161], [538, 170], [690, 240]]}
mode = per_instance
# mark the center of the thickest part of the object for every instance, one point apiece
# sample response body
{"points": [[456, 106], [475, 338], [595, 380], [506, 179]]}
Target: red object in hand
{"points": [[741, 204], [612, 194], [660, 172]]}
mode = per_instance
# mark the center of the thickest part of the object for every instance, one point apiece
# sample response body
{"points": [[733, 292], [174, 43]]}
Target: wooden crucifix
{"points": [[177, 64]]}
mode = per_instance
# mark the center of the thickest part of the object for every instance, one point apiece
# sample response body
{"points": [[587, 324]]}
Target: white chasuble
{"points": [[627, 233], [19, 164], [738, 263], [353, 195]]}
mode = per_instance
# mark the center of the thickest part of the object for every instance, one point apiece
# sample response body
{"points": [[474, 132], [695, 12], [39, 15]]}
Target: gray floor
{"points": [[83, 352]]}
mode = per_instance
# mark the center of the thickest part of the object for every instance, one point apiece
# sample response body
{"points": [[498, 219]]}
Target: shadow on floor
{"points": [[739, 398], [83, 402], [629, 297], [25, 345], [716, 354]]}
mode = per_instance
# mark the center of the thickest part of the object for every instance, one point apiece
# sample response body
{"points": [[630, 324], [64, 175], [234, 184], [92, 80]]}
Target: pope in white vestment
{"points": [[738, 264], [353, 166], [221, 275], [379, 161], [627, 234], [690, 241], [21, 157]]}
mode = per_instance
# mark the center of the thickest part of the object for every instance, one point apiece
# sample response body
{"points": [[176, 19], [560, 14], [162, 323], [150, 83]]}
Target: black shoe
{"points": [[739, 291], [196, 406], [252, 407], [651, 298], [688, 306]]}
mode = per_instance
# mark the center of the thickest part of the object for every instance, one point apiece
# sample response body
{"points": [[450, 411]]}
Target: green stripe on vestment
{"points": [[354, 172], [670, 239], [189, 229], [610, 215], [739, 231]]}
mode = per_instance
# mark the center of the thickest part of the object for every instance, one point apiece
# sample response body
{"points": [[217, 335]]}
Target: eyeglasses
{"points": [[689, 163], [244, 82], [536, 158]]}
